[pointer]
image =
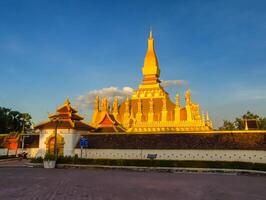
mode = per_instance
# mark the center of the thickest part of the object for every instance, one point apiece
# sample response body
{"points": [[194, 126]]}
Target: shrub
{"points": [[37, 160], [159, 163], [49, 156]]}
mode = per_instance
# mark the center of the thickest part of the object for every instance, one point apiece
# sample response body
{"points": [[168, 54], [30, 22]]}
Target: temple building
{"points": [[150, 109], [67, 125], [107, 121]]}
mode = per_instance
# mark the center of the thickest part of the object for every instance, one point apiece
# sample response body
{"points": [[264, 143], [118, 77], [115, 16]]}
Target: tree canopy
{"points": [[239, 124], [14, 121]]}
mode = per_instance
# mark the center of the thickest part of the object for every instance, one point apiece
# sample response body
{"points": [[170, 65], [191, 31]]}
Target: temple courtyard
{"points": [[96, 184]]}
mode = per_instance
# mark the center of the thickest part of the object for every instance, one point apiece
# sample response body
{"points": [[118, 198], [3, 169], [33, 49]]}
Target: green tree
{"points": [[262, 123], [239, 124], [14, 121], [227, 125]]}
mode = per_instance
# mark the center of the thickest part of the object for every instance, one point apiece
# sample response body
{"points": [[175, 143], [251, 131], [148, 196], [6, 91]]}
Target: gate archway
{"points": [[50, 141]]}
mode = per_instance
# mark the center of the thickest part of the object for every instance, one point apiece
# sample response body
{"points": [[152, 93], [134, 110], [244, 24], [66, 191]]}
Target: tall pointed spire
{"points": [[151, 70], [150, 34]]}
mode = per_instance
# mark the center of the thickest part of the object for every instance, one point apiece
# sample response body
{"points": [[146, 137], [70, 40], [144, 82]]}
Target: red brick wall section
{"points": [[32, 141], [244, 141]]}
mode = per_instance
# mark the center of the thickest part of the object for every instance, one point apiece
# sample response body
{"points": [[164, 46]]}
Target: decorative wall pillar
{"points": [[203, 117], [151, 113], [164, 110], [139, 112]]}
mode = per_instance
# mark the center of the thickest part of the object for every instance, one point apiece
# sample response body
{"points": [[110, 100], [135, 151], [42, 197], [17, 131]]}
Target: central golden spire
{"points": [[151, 70]]}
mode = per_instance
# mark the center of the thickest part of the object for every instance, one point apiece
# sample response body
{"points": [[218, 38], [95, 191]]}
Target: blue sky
{"points": [[51, 50]]}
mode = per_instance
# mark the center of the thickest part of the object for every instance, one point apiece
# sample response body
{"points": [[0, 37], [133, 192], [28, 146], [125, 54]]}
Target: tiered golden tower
{"points": [[150, 109]]}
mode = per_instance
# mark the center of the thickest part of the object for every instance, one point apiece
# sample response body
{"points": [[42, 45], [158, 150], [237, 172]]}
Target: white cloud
{"points": [[172, 83], [86, 101], [249, 94]]}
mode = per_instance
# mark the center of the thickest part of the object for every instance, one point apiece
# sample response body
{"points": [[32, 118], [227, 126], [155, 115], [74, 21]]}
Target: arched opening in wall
{"points": [[50, 145]]}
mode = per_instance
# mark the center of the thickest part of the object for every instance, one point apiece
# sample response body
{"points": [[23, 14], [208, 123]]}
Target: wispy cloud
{"points": [[173, 83], [246, 94], [86, 101], [13, 45]]}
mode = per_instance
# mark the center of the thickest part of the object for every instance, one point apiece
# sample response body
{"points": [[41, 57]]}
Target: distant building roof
{"points": [[251, 124]]}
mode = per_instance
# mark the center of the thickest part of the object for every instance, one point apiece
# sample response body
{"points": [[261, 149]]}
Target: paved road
{"points": [[92, 184]]}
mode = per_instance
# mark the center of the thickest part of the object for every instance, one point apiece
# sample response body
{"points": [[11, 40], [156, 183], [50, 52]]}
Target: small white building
{"points": [[67, 125]]}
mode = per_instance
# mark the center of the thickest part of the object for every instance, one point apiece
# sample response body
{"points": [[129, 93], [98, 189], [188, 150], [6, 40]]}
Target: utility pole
{"points": [[55, 138]]}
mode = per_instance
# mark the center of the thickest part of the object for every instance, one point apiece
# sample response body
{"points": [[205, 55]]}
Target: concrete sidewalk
{"points": [[17, 163], [155, 169], [14, 163]]}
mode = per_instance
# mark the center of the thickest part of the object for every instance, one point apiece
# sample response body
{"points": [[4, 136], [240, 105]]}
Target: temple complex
{"points": [[145, 123], [150, 109]]}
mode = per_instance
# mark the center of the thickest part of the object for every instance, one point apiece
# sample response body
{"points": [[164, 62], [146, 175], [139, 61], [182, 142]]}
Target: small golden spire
{"points": [[150, 33], [177, 100], [96, 103], [203, 117], [115, 105], [207, 116]]}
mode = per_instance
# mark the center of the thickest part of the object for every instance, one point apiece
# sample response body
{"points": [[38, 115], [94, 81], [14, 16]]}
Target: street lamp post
{"points": [[23, 142], [55, 138]]}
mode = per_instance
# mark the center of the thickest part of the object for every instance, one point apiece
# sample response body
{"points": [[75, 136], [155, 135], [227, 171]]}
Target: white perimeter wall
{"points": [[206, 155], [32, 152], [71, 138]]}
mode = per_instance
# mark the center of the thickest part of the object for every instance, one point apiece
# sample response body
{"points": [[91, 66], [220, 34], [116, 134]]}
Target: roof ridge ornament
{"points": [[67, 101], [150, 33]]}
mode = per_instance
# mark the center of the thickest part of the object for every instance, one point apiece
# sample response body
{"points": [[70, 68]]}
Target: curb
{"points": [[156, 169], [7, 163], [14, 166], [8, 159]]}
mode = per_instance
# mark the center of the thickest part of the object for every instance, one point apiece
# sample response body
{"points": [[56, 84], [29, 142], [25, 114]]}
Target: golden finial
{"points": [[150, 32], [67, 102]]}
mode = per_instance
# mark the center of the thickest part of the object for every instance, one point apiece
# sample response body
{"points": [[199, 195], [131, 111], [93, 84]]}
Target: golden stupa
{"points": [[150, 109]]}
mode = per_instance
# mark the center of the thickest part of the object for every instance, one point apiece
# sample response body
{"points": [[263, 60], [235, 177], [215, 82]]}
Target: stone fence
{"points": [[253, 156]]}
